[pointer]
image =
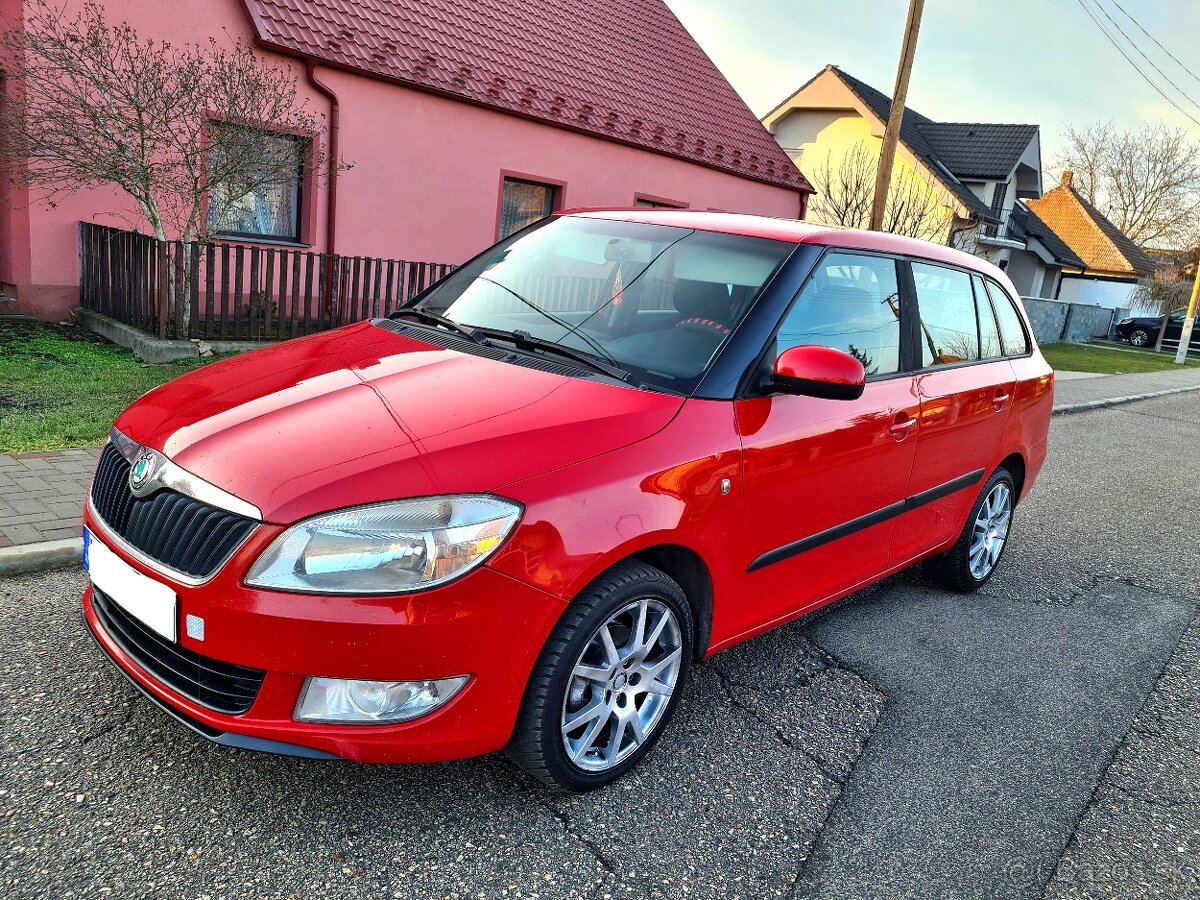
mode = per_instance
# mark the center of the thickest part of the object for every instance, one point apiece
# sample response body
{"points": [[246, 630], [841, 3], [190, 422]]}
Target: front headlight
{"points": [[1125, 322], [386, 548]]}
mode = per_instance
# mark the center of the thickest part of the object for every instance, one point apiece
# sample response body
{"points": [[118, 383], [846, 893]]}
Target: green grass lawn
{"points": [[1109, 361], [62, 387]]}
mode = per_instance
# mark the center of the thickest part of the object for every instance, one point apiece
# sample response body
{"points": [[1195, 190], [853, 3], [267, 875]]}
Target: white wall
{"points": [[1097, 291]]}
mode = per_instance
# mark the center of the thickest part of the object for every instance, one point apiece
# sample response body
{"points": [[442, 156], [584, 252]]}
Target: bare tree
{"points": [[1146, 180], [845, 192], [193, 133]]}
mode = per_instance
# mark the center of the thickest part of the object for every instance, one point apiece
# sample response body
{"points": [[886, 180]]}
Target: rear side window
{"points": [[1011, 331], [949, 332], [989, 335], [851, 303]]}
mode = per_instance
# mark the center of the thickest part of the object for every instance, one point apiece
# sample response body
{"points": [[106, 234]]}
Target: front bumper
{"points": [[486, 625]]}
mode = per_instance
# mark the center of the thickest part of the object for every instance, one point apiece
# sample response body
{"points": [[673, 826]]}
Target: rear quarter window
{"points": [[1012, 332], [990, 346]]}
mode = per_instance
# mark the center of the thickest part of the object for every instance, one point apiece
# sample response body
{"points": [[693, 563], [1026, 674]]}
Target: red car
{"points": [[512, 514]]}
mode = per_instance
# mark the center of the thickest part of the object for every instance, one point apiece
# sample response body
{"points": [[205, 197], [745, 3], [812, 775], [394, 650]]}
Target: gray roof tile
{"points": [[973, 150], [911, 133]]}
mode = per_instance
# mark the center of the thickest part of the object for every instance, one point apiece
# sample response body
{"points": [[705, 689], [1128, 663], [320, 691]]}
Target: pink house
{"points": [[462, 121]]}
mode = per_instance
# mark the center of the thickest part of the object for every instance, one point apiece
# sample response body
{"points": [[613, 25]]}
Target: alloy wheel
{"points": [[990, 531], [621, 685]]}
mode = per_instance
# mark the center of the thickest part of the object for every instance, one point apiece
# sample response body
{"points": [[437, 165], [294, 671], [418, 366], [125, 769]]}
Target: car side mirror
{"points": [[816, 371]]}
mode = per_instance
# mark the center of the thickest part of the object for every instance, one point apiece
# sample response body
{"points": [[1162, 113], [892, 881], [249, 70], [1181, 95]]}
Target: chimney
{"points": [[1067, 175]]}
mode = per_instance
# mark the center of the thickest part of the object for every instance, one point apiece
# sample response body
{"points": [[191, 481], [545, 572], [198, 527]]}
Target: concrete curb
{"points": [[1070, 408], [44, 555]]}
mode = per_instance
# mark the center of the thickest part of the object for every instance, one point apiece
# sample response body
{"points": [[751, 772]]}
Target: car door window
{"points": [[949, 330], [850, 303], [989, 333], [1011, 331]]}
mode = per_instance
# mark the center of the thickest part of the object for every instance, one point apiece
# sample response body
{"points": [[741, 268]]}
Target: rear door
{"points": [[965, 388], [824, 479]]}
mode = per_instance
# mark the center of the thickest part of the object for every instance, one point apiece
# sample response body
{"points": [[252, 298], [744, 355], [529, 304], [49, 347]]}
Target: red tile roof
{"points": [[626, 70], [1096, 240]]}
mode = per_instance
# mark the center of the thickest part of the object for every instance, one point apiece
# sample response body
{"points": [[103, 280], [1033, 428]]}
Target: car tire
{"points": [[973, 559], [615, 689], [1139, 337]]}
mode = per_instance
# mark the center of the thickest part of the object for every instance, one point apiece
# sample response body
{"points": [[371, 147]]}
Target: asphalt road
{"points": [[906, 742]]}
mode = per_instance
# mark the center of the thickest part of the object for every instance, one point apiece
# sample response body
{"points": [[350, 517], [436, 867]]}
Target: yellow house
{"points": [[953, 183]]}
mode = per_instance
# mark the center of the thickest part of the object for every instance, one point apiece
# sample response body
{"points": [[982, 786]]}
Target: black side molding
{"points": [[872, 518]]}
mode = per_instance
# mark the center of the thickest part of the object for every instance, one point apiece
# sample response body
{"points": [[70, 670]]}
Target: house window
{"points": [[998, 195], [647, 203], [260, 197], [523, 203]]}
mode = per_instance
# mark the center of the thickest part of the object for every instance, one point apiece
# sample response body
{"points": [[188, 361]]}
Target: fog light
{"points": [[349, 700]]}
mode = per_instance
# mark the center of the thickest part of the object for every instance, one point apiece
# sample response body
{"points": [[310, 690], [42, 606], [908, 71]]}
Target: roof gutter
{"points": [[335, 108]]}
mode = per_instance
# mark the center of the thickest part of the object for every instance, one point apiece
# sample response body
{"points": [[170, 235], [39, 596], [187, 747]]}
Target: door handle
{"points": [[1000, 399], [902, 426]]}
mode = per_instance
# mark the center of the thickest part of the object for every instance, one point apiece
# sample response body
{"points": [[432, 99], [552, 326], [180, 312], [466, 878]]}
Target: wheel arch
{"points": [[688, 569], [1015, 463], [685, 566]]}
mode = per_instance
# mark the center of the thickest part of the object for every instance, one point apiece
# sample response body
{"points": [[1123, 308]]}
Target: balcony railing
{"points": [[1011, 227]]}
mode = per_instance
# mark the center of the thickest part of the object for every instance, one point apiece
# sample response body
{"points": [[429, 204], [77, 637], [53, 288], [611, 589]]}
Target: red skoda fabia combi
{"points": [[512, 514]]}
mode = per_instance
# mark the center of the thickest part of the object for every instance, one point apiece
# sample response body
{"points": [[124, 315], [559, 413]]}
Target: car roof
{"points": [[794, 231]]}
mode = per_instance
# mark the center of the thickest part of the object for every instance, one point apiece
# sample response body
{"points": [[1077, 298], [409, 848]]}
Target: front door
{"points": [[822, 478]]}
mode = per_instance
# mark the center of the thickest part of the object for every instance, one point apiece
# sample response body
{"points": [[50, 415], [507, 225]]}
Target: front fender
{"points": [[666, 489]]}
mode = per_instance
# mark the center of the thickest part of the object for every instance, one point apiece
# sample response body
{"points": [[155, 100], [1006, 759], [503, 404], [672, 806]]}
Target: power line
{"points": [[1177, 60], [1142, 53], [1112, 40]]}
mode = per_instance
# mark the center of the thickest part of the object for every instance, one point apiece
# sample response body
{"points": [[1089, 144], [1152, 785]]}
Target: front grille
{"points": [[220, 686], [176, 530]]}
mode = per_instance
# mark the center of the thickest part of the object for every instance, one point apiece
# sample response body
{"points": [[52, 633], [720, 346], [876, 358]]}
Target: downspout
{"points": [[335, 108]]}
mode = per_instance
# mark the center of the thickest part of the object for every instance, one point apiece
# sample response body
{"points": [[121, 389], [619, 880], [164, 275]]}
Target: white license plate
{"points": [[145, 599]]}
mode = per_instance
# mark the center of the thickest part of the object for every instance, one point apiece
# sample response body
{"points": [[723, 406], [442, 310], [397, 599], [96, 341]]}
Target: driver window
{"points": [[851, 303]]}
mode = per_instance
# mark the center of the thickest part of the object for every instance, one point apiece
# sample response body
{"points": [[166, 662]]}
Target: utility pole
{"points": [[887, 155], [1185, 335]]}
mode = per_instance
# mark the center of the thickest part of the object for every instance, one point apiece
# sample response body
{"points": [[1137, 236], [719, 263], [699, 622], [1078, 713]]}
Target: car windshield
{"points": [[656, 301]]}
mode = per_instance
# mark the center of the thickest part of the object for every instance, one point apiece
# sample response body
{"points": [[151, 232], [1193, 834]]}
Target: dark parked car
{"points": [[1142, 331]]}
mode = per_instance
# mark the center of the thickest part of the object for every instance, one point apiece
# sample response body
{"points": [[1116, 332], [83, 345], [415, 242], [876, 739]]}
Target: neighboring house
{"points": [[974, 175], [1112, 264], [1037, 269], [462, 122]]}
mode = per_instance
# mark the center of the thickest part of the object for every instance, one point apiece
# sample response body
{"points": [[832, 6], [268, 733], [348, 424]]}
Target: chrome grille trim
{"points": [[168, 475]]}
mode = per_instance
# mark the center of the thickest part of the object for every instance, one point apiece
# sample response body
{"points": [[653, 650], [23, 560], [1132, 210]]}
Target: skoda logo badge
{"points": [[140, 473]]}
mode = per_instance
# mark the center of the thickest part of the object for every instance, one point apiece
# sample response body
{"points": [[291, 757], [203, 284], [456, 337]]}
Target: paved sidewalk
{"points": [[41, 494], [1074, 391]]}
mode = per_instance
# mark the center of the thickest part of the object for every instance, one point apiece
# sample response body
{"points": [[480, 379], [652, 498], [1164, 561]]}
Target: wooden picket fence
{"points": [[237, 291]]}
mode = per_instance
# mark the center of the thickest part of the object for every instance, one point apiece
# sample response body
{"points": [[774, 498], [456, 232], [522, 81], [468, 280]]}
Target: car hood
{"points": [[361, 414]]}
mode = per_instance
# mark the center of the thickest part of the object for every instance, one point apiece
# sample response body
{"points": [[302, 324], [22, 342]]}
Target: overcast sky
{"points": [[1042, 62]]}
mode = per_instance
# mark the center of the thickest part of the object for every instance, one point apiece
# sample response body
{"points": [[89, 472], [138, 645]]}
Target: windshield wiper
{"points": [[526, 341], [523, 340], [567, 327], [469, 332]]}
